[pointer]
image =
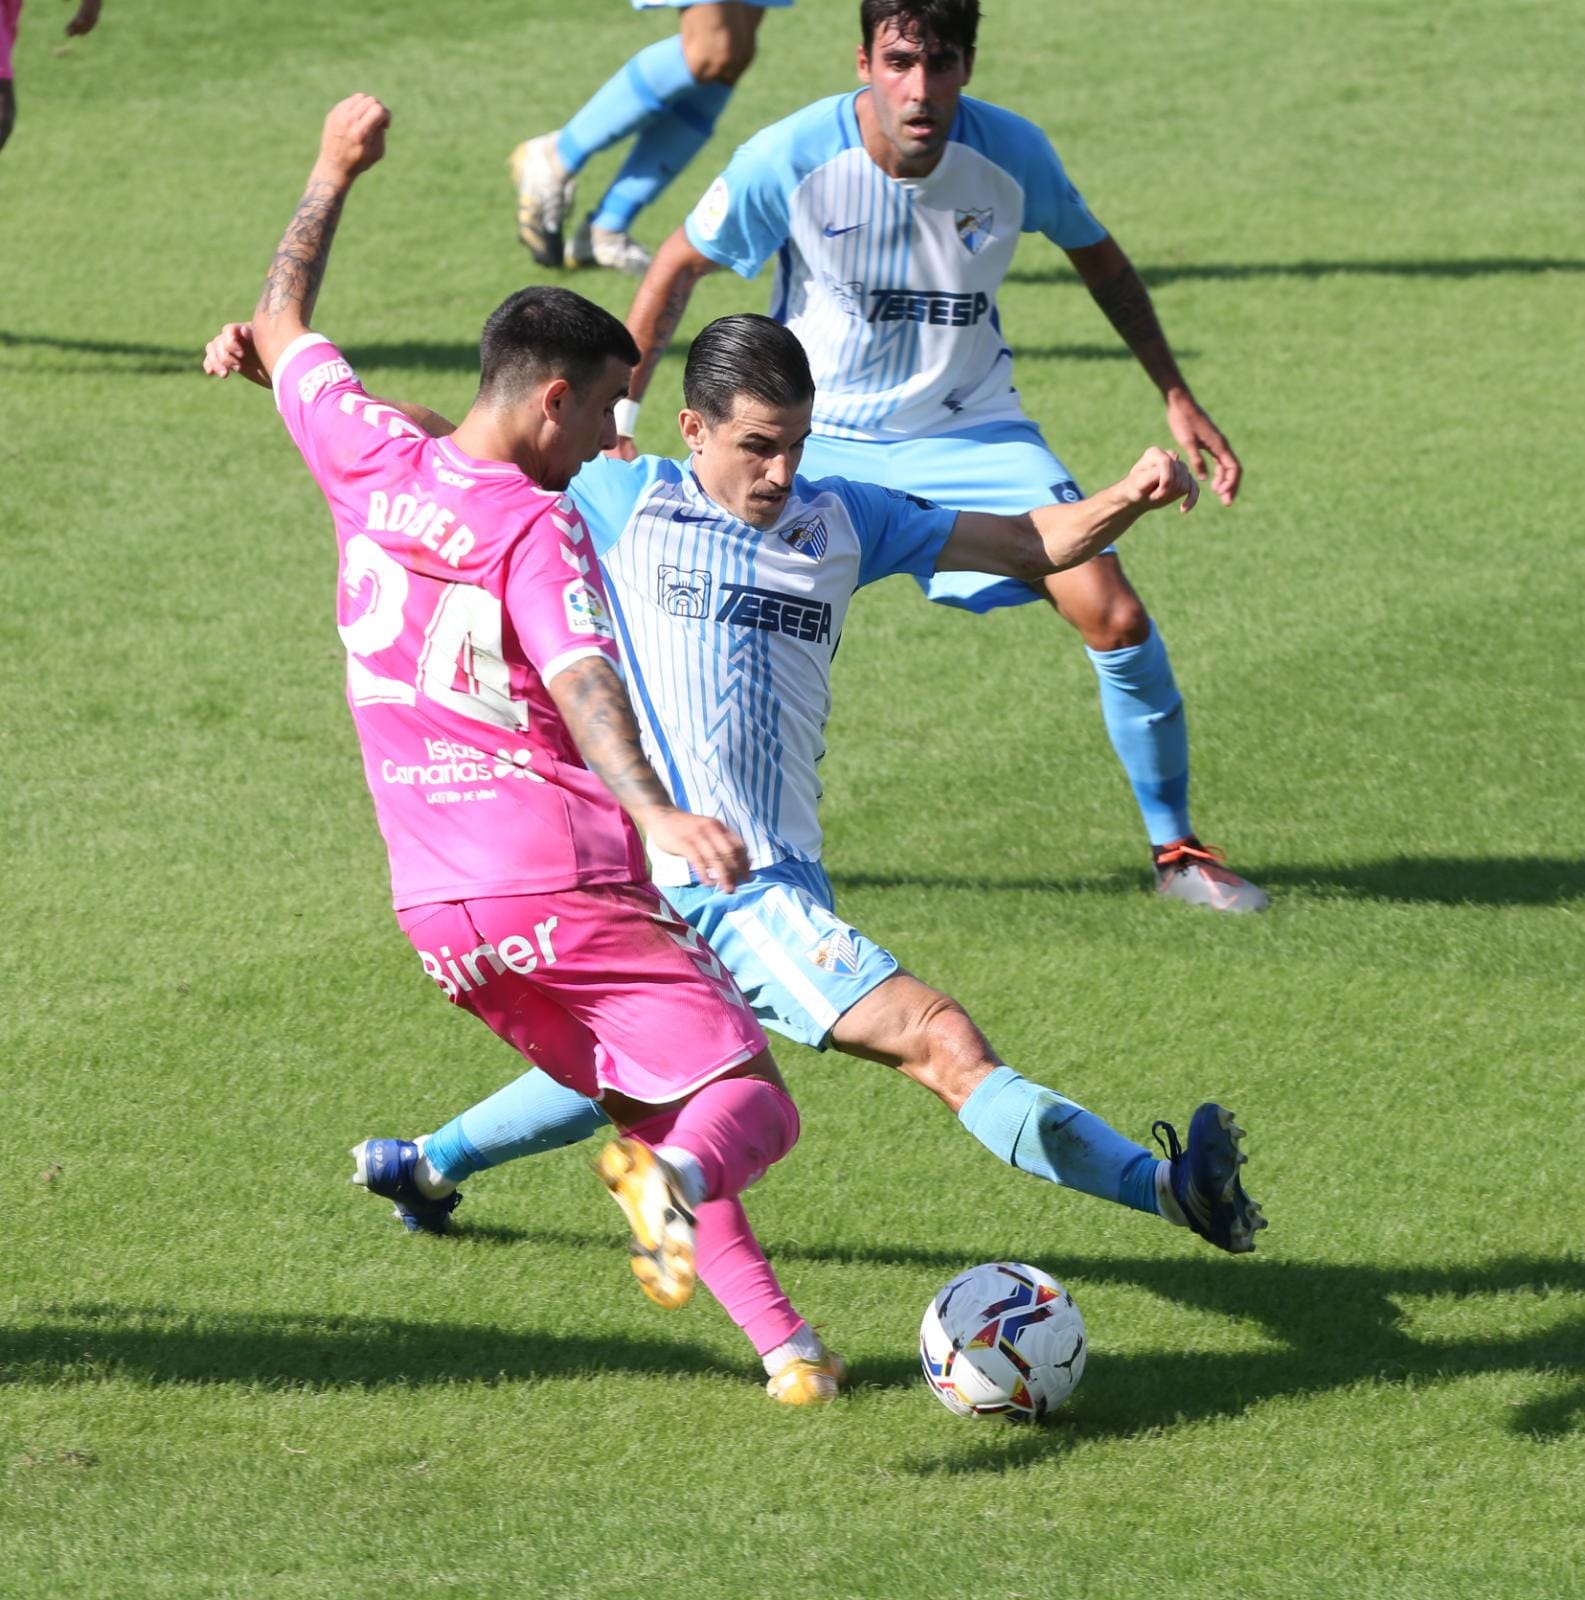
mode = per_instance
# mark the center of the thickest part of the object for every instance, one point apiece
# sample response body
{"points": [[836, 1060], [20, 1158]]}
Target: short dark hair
{"points": [[745, 354], [949, 22], [541, 333]]}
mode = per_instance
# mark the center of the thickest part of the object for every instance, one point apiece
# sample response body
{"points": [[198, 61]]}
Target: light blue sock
{"points": [[1143, 712], [531, 1115], [650, 82], [665, 145], [1036, 1130]]}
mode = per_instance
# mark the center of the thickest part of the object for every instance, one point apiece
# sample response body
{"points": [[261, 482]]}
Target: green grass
{"points": [[224, 1373]]}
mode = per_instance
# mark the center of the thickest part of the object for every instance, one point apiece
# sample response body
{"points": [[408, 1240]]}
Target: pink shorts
{"points": [[10, 10], [603, 987]]}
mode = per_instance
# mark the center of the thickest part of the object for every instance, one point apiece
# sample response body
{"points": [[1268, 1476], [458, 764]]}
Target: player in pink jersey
{"points": [[504, 759], [87, 14]]}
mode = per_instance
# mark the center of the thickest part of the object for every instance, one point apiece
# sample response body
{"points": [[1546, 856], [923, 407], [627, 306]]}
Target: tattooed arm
{"points": [[352, 141], [1121, 294], [594, 705], [658, 306]]}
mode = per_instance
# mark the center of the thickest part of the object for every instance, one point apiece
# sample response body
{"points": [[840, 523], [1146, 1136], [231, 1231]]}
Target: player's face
{"points": [[746, 463], [586, 422], [915, 84]]}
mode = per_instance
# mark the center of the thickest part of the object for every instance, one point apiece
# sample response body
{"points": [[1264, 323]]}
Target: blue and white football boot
{"points": [[1205, 1179], [385, 1167]]}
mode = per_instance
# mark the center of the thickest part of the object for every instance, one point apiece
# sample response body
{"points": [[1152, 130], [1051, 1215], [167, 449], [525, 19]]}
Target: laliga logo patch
{"points": [[585, 610], [711, 211], [974, 229], [807, 538], [684, 591], [836, 953]]}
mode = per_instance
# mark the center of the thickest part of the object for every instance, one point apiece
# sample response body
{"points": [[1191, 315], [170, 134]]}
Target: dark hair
{"points": [[541, 333], [948, 22], [745, 354]]}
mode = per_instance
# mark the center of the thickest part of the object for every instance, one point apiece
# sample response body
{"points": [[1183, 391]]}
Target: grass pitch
{"points": [[224, 1373]]}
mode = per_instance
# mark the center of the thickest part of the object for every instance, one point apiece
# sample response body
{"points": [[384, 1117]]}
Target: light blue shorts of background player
{"points": [[800, 965], [999, 466]]}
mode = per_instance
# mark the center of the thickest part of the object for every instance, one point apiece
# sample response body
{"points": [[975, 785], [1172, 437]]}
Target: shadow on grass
{"points": [[1337, 1325], [131, 358], [1411, 880], [1327, 1326], [90, 1343], [1242, 271]]}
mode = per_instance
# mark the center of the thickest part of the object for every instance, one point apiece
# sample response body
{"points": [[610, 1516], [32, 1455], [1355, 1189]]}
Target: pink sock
{"points": [[733, 1268], [734, 1128]]}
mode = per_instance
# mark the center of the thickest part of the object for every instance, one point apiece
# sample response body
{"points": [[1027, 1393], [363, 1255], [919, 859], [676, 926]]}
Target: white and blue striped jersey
{"points": [[727, 633], [890, 283]]}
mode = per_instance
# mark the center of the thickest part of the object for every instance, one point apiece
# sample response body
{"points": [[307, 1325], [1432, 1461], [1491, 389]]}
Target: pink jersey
{"points": [[465, 588], [10, 11]]}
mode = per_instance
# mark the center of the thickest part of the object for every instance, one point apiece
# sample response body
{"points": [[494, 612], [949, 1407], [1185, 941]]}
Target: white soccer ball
{"points": [[1002, 1340]]}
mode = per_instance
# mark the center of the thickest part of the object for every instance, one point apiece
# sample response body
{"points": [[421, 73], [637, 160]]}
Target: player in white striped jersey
{"points": [[892, 215], [730, 578]]}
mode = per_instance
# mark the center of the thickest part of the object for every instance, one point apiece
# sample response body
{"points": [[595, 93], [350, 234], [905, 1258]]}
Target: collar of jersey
{"points": [[483, 469]]}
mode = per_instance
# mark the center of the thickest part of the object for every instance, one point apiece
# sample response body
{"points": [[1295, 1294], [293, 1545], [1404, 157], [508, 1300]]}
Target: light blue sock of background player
{"points": [[665, 145], [657, 97], [1144, 717], [532, 1114], [1037, 1131]]}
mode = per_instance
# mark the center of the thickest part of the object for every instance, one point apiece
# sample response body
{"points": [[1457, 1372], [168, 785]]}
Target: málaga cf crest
{"points": [[974, 228]]}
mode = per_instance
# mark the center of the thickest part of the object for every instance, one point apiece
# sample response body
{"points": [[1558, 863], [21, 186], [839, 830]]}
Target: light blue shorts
{"points": [[998, 466], [800, 965]]}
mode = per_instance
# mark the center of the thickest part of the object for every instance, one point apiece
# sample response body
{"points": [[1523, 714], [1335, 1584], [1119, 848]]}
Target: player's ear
{"points": [[968, 66], [554, 399], [862, 61], [691, 425]]}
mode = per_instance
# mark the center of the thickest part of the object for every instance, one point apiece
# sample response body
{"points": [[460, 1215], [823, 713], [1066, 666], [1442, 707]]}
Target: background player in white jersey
{"points": [[892, 215], [474, 619], [730, 578], [669, 96]]}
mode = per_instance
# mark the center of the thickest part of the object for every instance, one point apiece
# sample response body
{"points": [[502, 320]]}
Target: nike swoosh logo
{"points": [[836, 233], [691, 516]]}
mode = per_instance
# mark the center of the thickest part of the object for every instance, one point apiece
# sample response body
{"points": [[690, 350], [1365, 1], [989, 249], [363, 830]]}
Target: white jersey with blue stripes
{"points": [[727, 633], [890, 283]]}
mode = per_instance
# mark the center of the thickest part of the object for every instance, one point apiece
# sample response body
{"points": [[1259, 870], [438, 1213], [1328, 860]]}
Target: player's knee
{"points": [[720, 54], [1118, 623], [950, 1056]]}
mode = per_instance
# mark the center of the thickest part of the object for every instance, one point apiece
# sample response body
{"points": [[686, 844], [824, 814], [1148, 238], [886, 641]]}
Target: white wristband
{"points": [[627, 418]]}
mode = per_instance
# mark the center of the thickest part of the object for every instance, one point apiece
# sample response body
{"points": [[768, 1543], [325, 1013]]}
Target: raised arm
{"points": [[594, 705], [658, 306], [1121, 294], [1054, 537], [353, 139]]}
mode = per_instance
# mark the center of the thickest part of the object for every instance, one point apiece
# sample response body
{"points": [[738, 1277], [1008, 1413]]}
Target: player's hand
{"points": [[354, 136], [1200, 437], [83, 22], [623, 450], [1158, 478], [232, 350], [716, 854]]}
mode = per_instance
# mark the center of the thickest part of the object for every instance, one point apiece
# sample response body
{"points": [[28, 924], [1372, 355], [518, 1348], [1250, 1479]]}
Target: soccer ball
{"points": [[1002, 1340]]}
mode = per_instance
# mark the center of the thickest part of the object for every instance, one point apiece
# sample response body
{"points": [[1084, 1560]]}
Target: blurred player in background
{"points": [[731, 578], [670, 95], [86, 17], [893, 213], [505, 763]]}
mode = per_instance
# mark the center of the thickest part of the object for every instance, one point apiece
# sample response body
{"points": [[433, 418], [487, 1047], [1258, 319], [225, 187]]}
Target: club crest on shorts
{"points": [[684, 591], [807, 538], [836, 953], [974, 229]]}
